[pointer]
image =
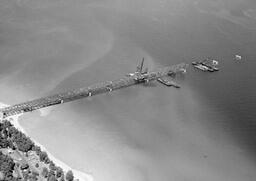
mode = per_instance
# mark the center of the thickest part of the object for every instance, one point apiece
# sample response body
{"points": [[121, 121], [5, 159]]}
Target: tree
{"points": [[9, 177], [44, 172], [6, 166], [3, 142], [43, 155], [51, 172], [59, 172], [51, 178], [23, 143], [62, 178], [69, 176], [12, 131], [1, 126], [47, 160], [6, 124], [11, 145], [37, 149], [52, 166]]}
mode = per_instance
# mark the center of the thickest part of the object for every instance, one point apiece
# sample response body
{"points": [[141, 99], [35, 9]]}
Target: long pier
{"points": [[92, 90]]}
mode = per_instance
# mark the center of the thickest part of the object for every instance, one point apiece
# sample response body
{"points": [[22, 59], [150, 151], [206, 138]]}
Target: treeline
{"points": [[12, 138]]}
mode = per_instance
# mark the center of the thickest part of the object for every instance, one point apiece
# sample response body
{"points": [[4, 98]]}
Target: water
{"points": [[203, 131]]}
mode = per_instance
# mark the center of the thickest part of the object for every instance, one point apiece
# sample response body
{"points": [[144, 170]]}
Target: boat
{"points": [[168, 82], [238, 57], [200, 66]]}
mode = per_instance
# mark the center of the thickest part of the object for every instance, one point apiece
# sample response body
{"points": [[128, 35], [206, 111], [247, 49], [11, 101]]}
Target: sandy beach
{"points": [[77, 174]]}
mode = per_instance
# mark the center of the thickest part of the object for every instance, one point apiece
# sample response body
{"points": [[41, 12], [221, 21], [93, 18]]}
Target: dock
{"points": [[99, 88]]}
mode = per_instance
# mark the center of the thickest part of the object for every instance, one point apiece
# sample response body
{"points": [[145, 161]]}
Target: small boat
{"points": [[238, 57]]}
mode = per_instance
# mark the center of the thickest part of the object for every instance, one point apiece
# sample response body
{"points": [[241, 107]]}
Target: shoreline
{"points": [[82, 176]]}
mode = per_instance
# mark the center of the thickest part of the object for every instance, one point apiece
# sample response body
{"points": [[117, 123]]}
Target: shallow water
{"points": [[203, 131]]}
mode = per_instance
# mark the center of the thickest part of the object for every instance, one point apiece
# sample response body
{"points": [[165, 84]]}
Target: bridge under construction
{"points": [[131, 79]]}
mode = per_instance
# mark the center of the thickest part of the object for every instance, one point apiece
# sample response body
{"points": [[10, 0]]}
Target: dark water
{"points": [[203, 131]]}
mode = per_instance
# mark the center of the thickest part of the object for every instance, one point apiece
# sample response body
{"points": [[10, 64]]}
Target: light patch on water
{"points": [[136, 148], [45, 111]]}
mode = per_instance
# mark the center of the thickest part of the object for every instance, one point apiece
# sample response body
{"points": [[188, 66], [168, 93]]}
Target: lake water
{"points": [[203, 131]]}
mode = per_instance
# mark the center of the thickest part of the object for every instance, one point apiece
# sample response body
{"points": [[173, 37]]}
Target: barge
{"points": [[207, 65]]}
